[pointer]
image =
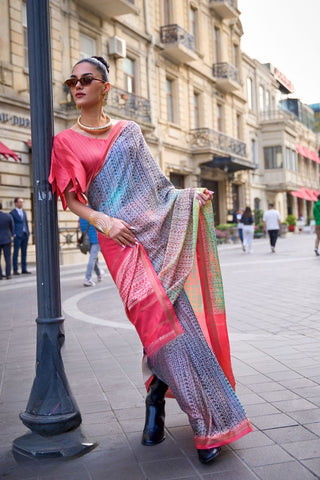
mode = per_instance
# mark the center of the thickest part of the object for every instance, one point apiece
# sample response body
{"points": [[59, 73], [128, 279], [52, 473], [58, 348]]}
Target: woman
{"points": [[247, 221], [159, 245]]}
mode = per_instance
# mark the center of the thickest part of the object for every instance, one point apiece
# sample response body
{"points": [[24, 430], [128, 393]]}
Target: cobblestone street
{"points": [[273, 314]]}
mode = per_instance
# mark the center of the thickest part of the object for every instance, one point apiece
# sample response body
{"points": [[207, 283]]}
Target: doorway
{"points": [[214, 187]]}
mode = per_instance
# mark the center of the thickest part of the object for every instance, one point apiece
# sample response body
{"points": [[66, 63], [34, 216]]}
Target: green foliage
{"points": [[226, 226], [291, 220], [257, 215]]}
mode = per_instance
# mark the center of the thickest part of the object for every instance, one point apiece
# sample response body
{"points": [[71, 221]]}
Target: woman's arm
{"points": [[118, 230]]}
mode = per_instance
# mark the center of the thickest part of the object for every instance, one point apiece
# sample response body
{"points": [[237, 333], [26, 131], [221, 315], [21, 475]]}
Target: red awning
{"points": [[315, 195], [6, 152], [305, 152], [28, 143], [305, 193]]}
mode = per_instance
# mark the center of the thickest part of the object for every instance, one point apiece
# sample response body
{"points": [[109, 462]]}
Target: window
{"points": [[254, 152], [294, 163], [288, 159], [219, 117], [238, 125], [268, 101], [193, 23], [87, 46], [25, 35], [166, 12], [196, 110], [217, 40], [177, 180], [129, 75], [250, 93], [169, 92], [261, 98], [273, 157], [236, 55]]}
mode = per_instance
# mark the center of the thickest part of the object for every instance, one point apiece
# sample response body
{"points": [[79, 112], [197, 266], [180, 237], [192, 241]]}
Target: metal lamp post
{"points": [[51, 413]]}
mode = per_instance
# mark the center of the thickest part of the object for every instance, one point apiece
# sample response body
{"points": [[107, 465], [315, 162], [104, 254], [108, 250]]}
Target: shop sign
{"points": [[15, 120]]}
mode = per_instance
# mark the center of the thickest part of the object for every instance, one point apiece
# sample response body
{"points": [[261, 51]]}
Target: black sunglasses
{"points": [[72, 82]]}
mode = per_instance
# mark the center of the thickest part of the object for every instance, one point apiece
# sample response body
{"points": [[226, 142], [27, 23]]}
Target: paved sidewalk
{"points": [[273, 308]]}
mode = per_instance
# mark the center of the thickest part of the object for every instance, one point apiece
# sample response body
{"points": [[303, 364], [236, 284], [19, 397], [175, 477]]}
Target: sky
{"points": [[286, 34]]}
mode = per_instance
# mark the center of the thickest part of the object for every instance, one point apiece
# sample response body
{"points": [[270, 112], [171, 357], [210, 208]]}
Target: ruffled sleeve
{"points": [[66, 167]]}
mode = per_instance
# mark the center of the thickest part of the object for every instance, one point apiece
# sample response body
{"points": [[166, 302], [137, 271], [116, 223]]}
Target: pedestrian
{"points": [[316, 214], [6, 234], [21, 236], [271, 224], [248, 230], [240, 224], [152, 236], [93, 262]]}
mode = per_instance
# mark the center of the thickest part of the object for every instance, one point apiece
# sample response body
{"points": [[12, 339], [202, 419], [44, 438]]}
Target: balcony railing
{"points": [[122, 104], [224, 8], [226, 71], [111, 8], [277, 114], [213, 139], [176, 34], [227, 77]]}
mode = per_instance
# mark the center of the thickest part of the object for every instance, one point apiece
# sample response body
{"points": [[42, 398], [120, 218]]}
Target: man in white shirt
{"points": [[271, 223]]}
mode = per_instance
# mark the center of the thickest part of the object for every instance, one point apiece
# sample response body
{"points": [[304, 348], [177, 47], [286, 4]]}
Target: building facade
{"points": [[282, 143], [176, 69]]}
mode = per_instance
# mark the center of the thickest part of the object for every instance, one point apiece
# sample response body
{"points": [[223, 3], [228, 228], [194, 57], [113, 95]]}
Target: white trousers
{"points": [[248, 237]]}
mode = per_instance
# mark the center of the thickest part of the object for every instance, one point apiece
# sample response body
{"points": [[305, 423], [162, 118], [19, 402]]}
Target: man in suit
{"points": [[21, 236], [6, 234]]}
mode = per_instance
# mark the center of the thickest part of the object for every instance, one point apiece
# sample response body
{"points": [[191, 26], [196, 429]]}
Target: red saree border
{"points": [[146, 303], [221, 439]]}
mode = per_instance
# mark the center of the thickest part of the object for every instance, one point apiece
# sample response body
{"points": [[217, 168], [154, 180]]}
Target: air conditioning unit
{"points": [[117, 47]]}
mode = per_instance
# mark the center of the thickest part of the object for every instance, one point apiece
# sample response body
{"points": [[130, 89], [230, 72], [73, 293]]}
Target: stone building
{"points": [[282, 143], [176, 69]]}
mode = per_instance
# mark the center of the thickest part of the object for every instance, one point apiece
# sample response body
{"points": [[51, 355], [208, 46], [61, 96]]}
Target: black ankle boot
{"points": [[208, 454], [153, 431]]}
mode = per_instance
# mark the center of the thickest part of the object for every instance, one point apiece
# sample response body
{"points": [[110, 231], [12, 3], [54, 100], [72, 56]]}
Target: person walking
{"points": [[248, 230], [21, 236], [6, 234], [271, 224], [157, 241], [93, 262], [240, 224], [316, 215]]}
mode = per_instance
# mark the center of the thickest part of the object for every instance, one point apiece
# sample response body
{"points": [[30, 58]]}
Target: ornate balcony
{"points": [[179, 45], [229, 154], [227, 76], [110, 8], [123, 104], [276, 116], [224, 8]]}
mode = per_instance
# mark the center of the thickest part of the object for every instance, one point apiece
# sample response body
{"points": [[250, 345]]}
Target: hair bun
{"points": [[103, 61]]}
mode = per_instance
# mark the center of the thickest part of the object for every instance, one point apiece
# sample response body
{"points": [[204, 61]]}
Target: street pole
{"points": [[51, 413]]}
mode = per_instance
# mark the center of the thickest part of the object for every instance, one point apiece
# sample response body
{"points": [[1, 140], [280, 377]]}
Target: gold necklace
{"points": [[101, 129]]}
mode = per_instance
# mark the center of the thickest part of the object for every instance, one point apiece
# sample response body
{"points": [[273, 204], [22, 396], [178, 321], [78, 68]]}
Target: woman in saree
{"points": [[159, 245]]}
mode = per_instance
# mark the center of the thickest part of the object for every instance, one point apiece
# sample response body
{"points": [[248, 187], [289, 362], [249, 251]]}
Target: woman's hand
{"points": [[118, 230], [122, 233], [204, 197]]}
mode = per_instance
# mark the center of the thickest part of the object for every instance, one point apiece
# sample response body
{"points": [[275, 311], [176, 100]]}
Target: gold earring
{"points": [[77, 107]]}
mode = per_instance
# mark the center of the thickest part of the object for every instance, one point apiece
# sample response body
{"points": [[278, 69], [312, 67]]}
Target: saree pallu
{"points": [[170, 283]]}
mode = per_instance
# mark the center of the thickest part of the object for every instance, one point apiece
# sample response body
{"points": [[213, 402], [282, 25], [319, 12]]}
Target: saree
{"points": [[170, 282]]}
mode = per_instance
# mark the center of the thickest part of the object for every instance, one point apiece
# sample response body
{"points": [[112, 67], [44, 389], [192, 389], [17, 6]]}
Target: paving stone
{"points": [[265, 422], [314, 465], [304, 449], [284, 471], [265, 455], [290, 434]]}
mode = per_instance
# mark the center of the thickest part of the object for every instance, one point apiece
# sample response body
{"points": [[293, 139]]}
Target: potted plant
{"points": [[291, 221], [283, 229]]}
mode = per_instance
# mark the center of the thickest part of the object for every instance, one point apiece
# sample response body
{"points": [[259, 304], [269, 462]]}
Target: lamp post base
{"points": [[65, 445]]}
